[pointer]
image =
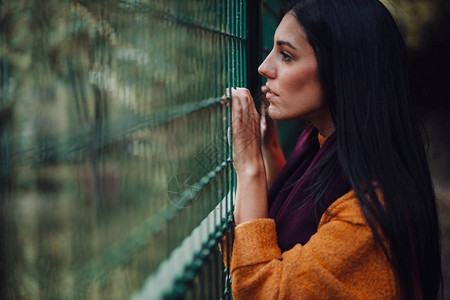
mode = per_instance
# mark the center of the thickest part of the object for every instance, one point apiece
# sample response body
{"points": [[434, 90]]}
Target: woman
{"points": [[352, 213]]}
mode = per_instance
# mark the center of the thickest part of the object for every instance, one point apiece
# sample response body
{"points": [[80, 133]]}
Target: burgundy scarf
{"points": [[297, 220]]}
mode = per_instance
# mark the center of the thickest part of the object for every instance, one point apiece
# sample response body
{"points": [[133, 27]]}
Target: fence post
{"points": [[254, 45]]}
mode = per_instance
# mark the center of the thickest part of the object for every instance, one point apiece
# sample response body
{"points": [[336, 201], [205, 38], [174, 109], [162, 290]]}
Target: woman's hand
{"points": [[251, 193], [269, 135], [246, 134], [272, 153]]}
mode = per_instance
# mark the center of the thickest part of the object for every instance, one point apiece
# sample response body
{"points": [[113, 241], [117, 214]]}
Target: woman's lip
{"points": [[270, 91], [270, 95]]}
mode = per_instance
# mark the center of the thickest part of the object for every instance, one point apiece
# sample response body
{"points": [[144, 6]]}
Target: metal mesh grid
{"points": [[114, 144]]}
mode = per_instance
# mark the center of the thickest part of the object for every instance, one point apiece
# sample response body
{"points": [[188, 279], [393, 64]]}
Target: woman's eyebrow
{"points": [[285, 43]]}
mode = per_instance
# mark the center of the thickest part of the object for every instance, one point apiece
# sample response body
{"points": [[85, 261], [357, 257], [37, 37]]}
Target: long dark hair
{"points": [[364, 73]]}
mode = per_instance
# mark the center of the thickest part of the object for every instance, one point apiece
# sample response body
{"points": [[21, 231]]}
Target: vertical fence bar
{"points": [[254, 44]]}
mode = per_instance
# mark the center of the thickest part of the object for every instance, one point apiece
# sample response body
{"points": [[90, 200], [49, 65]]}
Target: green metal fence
{"points": [[116, 178]]}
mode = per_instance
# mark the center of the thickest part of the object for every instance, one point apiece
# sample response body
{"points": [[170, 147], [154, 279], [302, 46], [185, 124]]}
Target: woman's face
{"points": [[292, 78]]}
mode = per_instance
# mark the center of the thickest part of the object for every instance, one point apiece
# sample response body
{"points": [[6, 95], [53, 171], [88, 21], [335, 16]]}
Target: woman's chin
{"points": [[274, 113]]}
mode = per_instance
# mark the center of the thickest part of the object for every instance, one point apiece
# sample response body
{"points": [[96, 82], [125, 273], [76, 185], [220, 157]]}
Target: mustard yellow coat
{"points": [[340, 261]]}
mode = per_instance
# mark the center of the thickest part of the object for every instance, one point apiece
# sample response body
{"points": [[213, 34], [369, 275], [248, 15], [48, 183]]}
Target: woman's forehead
{"points": [[289, 30]]}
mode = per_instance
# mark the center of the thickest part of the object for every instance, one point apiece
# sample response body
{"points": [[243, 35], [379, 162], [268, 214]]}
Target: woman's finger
{"points": [[245, 126]]}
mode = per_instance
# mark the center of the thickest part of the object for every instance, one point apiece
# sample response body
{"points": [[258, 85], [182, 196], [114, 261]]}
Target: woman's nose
{"points": [[266, 69]]}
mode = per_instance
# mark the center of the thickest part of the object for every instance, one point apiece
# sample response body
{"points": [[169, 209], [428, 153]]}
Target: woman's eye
{"points": [[285, 56]]}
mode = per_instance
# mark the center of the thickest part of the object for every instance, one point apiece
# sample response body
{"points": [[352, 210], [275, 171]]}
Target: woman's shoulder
{"points": [[346, 208]]}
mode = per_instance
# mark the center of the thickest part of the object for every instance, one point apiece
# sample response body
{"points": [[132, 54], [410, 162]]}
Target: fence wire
{"points": [[115, 154]]}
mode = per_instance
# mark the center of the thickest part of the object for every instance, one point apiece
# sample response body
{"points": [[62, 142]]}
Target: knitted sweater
{"points": [[340, 261]]}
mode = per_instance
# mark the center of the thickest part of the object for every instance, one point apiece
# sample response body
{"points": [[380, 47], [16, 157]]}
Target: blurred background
{"points": [[113, 142]]}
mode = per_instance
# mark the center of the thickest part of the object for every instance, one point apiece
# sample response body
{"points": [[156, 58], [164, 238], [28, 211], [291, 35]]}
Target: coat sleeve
{"points": [[340, 261]]}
